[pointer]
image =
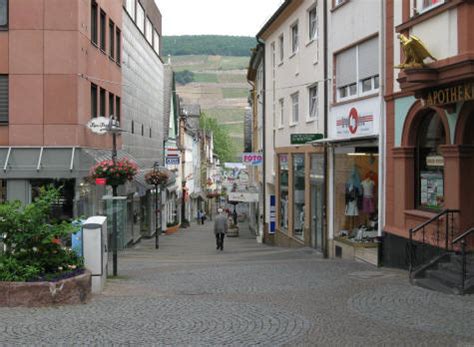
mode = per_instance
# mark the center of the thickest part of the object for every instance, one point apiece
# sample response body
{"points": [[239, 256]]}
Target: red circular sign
{"points": [[353, 120]]}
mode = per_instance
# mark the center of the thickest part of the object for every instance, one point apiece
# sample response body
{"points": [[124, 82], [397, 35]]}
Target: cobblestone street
{"points": [[188, 293]]}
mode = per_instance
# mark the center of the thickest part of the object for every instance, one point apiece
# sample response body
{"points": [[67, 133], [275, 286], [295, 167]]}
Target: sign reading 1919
{"points": [[252, 158]]}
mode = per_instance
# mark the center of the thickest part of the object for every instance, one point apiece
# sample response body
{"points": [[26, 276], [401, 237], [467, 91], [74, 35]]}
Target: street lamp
{"points": [[114, 129], [157, 229]]}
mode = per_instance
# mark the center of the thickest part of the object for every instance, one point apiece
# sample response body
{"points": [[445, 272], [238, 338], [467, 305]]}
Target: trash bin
{"points": [[94, 235]]}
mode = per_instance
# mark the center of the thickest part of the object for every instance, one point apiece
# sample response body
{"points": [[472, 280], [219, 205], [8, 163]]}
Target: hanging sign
{"points": [[99, 125], [435, 160], [172, 160], [243, 197], [355, 123], [253, 159], [101, 181]]}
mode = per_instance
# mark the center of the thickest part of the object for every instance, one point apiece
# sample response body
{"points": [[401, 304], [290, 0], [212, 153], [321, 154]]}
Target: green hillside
{"points": [[238, 46]]}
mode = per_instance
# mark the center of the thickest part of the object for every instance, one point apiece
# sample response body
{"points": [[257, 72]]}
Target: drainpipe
{"points": [[264, 137], [326, 111]]}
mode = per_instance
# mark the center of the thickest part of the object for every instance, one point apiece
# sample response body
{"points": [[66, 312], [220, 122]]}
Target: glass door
{"points": [[317, 201]]}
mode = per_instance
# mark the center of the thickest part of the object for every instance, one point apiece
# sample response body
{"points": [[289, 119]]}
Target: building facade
{"points": [[293, 116], [429, 125], [355, 138]]}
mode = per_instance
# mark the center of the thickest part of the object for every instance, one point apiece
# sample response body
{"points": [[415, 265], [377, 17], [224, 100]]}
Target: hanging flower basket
{"points": [[156, 177], [124, 170]]}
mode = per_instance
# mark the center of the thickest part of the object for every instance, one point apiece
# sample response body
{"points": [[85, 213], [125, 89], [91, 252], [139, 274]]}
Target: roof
{"points": [[190, 110], [273, 18], [255, 61]]}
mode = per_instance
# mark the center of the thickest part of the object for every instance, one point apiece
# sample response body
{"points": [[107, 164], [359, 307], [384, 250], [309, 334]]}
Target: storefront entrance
{"points": [[317, 201]]}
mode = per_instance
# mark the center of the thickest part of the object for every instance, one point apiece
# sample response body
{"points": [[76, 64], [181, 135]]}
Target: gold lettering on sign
{"points": [[450, 95]]}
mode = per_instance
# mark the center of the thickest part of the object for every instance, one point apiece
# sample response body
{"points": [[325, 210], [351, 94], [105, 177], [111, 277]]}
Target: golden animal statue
{"points": [[415, 52]]}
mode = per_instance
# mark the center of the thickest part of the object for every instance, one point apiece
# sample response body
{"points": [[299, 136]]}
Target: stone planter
{"points": [[70, 291], [172, 230], [233, 232]]}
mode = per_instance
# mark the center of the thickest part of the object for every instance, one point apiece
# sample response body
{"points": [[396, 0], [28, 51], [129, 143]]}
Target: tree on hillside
{"points": [[238, 46], [223, 146], [184, 77]]}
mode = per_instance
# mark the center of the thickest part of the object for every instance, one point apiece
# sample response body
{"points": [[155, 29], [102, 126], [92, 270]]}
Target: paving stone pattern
{"points": [[189, 294]]}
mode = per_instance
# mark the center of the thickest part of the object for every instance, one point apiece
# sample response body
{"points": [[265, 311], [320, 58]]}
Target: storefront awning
{"points": [[329, 141]]}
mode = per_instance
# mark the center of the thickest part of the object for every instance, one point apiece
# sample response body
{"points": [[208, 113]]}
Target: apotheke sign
{"points": [[450, 95]]}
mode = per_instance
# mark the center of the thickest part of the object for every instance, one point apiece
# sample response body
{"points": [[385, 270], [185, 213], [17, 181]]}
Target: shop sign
{"points": [[253, 159], [99, 125], [435, 160], [450, 95], [301, 139], [172, 160], [355, 124], [243, 197], [272, 214], [101, 181]]}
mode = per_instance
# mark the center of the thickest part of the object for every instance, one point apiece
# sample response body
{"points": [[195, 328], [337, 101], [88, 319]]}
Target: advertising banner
{"points": [[252, 159]]}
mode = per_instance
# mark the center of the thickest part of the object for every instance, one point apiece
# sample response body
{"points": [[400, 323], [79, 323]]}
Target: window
{"points": [[111, 105], [295, 108], [357, 70], [103, 29], [133, 127], [140, 18], [430, 163], [3, 14], [283, 215], [273, 57], [282, 112], [425, 5], [339, 2], [156, 42], [149, 31], [130, 7], [281, 44], [313, 24], [143, 130], [150, 133], [111, 39], [3, 99], [313, 102], [117, 108], [118, 44], [102, 103], [294, 38], [94, 22], [93, 100], [298, 194]]}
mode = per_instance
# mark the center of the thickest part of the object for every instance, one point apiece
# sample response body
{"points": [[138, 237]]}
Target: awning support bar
{"points": [[38, 167], [7, 160], [71, 166]]}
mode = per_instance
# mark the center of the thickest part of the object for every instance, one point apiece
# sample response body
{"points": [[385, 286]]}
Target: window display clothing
{"points": [[368, 205], [353, 194]]}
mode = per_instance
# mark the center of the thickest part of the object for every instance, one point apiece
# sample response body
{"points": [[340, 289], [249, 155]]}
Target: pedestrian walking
{"points": [[199, 218], [220, 229], [203, 217]]}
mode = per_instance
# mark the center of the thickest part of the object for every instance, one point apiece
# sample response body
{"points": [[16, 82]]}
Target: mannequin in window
{"points": [[368, 188], [353, 192]]}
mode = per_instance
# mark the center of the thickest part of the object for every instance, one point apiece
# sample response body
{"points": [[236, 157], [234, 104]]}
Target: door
{"points": [[317, 201]]}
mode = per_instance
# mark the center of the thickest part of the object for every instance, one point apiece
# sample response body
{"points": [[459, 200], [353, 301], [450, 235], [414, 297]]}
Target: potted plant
{"points": [[156, 177], [115, 174], [35, 255]]}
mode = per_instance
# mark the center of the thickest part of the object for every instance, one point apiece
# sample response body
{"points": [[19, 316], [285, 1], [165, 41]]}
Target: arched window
{"points": [[430, 163]]}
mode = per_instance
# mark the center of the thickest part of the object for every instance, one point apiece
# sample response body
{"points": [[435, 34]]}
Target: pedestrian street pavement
{"points": [[187, 293]]}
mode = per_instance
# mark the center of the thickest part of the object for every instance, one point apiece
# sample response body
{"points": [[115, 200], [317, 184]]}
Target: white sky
{"points": [[215, 17]]}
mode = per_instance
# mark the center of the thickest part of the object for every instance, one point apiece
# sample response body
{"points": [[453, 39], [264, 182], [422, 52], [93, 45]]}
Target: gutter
{"points": [[264, 135]]}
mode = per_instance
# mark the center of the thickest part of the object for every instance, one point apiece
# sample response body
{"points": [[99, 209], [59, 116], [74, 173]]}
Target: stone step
{"points": [[433, 284], [448, 278]]}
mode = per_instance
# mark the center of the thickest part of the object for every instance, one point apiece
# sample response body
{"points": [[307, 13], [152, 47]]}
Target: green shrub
{"points": [[33, 240]]}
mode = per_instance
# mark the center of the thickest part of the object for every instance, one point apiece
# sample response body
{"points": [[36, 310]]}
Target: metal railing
{"points": [[428, 241], [462, 238]]}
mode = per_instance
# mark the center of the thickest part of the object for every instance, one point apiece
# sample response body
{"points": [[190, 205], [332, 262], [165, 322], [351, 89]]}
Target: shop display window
{"points": [[356, 201], [298, 195], [430, 163], [283, 216], [63, 209], [3, 191]]}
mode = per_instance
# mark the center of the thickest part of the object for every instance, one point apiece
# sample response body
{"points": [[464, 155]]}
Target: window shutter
{"points": [[346, 68], [369, 58], [3, 99]]}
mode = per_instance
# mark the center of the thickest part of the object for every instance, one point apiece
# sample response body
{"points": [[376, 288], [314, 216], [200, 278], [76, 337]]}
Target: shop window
{"points": [[93, 100], [94, 10], [430, 163], [111, 39], [294, 38], [130, 7], [4, 99], [3, 191], [355, 199], [117, 108], [103, 29], [298, 195], [283, 217], [63, 208], [111, 104]]}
